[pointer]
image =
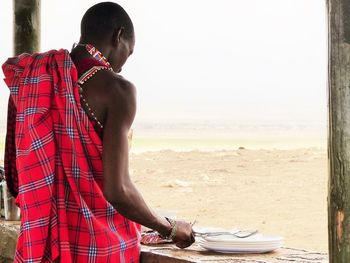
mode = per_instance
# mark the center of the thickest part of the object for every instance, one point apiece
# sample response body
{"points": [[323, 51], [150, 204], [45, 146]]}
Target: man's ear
{"points": [[118, 34]]}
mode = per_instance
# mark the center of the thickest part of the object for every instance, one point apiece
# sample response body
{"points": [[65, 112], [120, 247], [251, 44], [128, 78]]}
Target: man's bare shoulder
{"points": [[116, 89], [119, 96]]}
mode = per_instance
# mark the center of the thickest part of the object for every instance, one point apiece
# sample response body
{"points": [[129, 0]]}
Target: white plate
{"points": [[242, 251], [256, 239], [240, 246], [258, 243], [239, 249]]}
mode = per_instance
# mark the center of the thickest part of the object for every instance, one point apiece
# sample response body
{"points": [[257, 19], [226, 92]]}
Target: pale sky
{"points": [[239, 60]]}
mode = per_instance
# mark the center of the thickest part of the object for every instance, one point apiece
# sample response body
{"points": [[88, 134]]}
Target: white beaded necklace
{"points": [[88, 74]]}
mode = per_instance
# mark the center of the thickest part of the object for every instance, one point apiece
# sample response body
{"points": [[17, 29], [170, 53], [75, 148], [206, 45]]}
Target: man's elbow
{"points": [[118, 196]]}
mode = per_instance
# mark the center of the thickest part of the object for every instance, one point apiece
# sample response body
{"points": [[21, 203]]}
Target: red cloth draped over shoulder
{"points": [[10, 149], [60, 170]]}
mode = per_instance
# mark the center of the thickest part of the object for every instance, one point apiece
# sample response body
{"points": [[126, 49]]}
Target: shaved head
{"points": [[104, 19]]}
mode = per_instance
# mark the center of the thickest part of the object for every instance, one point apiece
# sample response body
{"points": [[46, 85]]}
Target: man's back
{"points": [[105, 89]]}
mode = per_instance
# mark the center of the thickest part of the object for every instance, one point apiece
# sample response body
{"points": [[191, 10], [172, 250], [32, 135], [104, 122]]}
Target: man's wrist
{"points": [[172, 234], [164, 227]]}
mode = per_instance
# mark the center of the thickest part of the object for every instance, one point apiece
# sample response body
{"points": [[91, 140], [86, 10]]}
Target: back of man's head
{"points": [[104, 19]]}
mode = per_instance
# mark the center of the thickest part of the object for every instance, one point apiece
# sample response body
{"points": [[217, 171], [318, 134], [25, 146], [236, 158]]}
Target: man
{"points": [[73, 113]]}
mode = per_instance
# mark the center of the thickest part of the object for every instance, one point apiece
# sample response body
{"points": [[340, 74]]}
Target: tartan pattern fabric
{"points": [[10, 150], [60, 171]]}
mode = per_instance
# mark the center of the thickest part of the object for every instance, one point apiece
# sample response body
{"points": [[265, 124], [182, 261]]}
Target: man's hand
{"points": [[184, 234]]}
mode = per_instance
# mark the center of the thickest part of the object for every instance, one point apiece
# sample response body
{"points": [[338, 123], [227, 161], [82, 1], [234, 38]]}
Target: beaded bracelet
{"points": [[173, 228]]}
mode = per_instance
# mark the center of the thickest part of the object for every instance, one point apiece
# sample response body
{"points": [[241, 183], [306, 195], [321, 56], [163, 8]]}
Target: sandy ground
{"points": [[280, 192]]}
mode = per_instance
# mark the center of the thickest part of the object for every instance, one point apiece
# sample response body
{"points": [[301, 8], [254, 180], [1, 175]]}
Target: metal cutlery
{"points": [[238, 234]]}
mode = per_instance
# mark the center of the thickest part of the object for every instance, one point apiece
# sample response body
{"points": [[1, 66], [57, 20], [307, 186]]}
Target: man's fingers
{"points": [[193, 239], [182, 244]]}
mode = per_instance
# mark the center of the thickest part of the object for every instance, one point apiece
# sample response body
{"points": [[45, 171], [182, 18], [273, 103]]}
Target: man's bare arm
{"points": [[118, 187]]}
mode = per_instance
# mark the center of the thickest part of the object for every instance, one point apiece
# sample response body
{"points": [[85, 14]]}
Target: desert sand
{"points": [[281, 192]]}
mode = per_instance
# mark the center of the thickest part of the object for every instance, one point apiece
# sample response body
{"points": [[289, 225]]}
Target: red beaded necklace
{"points": [[96, 54]]}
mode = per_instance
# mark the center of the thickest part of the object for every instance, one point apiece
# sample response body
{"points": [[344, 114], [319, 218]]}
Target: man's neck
{"points": [[102, 47]]}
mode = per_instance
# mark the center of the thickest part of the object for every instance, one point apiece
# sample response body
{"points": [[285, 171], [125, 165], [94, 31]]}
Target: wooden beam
{"points": [[339, 130], [26, 26]]}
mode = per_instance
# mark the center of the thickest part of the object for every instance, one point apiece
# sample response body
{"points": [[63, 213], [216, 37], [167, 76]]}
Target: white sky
{"points": [[255, 60]]}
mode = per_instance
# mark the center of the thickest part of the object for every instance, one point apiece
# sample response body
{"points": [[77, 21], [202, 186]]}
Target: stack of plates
{"points": [[257, 243]]}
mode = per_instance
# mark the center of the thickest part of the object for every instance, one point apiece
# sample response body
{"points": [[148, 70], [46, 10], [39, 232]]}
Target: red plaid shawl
{"points": [[60, 172]]}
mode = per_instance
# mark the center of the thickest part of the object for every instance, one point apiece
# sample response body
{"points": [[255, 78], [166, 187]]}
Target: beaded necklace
{"points": [[96, 54]]}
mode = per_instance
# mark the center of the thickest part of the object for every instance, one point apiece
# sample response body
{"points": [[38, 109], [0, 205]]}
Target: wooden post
{"points": [[339, 131], [26, 26]]}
